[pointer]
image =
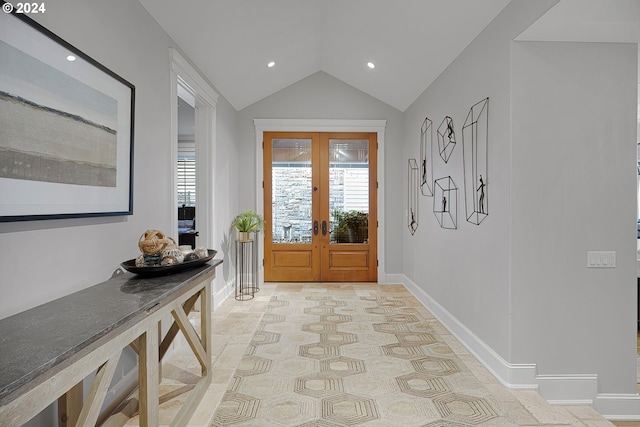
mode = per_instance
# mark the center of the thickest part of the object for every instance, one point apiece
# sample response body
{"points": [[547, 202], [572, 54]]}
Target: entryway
{"points": [[320, 203]]}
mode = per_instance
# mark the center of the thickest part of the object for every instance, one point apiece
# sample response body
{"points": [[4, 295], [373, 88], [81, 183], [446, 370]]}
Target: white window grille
{"points": [[186, 175]]}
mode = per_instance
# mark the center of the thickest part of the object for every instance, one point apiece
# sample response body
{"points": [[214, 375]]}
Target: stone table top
{"points": [[36, 340]]}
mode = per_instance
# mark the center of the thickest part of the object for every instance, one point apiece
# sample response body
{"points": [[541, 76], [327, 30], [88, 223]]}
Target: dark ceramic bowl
{"points": [[159, 270]]}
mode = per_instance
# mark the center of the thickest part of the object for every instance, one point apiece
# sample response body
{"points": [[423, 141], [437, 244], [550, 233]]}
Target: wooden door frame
{"points": [[309, 252], [325, 125], [355, 256]]}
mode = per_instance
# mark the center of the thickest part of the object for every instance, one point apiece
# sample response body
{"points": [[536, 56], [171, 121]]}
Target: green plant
{"points": [[340, 231], [248, 221], [351, 226], [355, 220]]}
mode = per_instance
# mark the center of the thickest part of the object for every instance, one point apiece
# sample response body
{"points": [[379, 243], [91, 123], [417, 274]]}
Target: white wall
{"points": [[564, 319], [226, 191], [573, 185], [561, 182], [321, 96], [68, 255], [467, 270], [44, 260]]}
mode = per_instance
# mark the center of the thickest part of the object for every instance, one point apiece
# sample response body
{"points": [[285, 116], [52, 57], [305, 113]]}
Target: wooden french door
{"points": [[320, 207]]}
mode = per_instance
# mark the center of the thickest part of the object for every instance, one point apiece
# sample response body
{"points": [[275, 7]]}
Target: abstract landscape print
{"points": [[66, 128], [54, 128]]}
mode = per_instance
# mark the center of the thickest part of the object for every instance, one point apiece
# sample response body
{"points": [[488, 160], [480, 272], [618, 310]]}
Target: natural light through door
{"points": [[319, 192]]}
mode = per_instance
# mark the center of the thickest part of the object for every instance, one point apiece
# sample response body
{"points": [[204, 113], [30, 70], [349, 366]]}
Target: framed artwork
{"points": [[66, 129]]}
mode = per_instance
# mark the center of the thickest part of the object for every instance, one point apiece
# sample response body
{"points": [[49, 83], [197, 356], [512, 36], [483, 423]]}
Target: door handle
{"points": [[324, 228], [315, 227]]}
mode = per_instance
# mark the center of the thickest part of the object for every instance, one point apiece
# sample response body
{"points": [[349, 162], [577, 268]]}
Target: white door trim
{"points": [[185, 78], [325, 125]]}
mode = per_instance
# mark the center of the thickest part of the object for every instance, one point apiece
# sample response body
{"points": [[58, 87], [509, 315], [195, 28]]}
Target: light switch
{"points": [[601, 259]]}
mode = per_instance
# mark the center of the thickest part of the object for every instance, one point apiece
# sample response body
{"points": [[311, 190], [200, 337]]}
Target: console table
{"points": [[47, 351]]}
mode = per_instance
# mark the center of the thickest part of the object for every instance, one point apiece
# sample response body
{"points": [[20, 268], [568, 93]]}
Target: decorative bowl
{"points": [[159, 270]]}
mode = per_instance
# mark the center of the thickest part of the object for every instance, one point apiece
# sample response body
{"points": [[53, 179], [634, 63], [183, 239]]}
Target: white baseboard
{"points": [[623, 407], [556, 389], [222, 294], [568, 389], [520, 376], [393, 279]]}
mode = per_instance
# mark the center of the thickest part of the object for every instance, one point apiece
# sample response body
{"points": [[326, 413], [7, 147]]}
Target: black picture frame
{"points": [[66, 128]]}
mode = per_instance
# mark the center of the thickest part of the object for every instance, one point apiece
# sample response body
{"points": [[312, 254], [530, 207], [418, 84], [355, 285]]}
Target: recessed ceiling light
{"points": [[371, 65], [71, 58], [271, 64]]}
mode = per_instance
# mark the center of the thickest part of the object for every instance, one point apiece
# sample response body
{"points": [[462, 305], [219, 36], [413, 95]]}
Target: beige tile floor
{"points": [[234, 323]]}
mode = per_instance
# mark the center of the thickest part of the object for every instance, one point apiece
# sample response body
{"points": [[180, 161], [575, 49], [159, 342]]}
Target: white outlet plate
{"points": [[601, 259]]}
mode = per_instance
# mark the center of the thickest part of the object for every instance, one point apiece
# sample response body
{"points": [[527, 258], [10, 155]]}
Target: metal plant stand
{"points": [[246, 270]]}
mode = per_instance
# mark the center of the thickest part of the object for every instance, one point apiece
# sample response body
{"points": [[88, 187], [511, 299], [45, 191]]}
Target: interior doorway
{"points": [[186, 170], [187, 85], [320, 206]]}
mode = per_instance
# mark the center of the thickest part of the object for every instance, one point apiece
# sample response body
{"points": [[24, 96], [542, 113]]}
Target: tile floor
{"points": [[233, 326]]}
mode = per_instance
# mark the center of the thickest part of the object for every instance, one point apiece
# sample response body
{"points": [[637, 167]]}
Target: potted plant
{"points": [[246, 222], [357, 224], [340, 230]]}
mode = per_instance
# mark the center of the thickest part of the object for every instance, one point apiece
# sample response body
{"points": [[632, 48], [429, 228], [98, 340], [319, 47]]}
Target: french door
{"points": [[320, 207]]}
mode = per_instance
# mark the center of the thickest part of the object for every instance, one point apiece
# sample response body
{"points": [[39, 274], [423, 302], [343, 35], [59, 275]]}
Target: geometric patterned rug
{"points": [[330, 361]]}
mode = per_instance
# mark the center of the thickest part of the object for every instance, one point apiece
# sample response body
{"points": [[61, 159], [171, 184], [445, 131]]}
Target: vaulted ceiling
{"points": [[616, 21], [410, 42]]}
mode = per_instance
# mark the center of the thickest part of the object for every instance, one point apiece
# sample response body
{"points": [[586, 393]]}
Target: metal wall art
{"points": [[426, 153], [445, 202], [475, 145], [446, 138], [413, 180]]}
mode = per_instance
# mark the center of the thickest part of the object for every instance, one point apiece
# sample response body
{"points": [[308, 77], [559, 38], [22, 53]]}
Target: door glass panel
{"points": [[349, 190], [291, 191]]}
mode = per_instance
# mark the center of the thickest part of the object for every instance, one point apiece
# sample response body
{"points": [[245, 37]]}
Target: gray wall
{"points": [[321, 96], [44, 260], [545, 128], [76, 253], [562, 132], [467, 270], [226, 189], [573, 187]]}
